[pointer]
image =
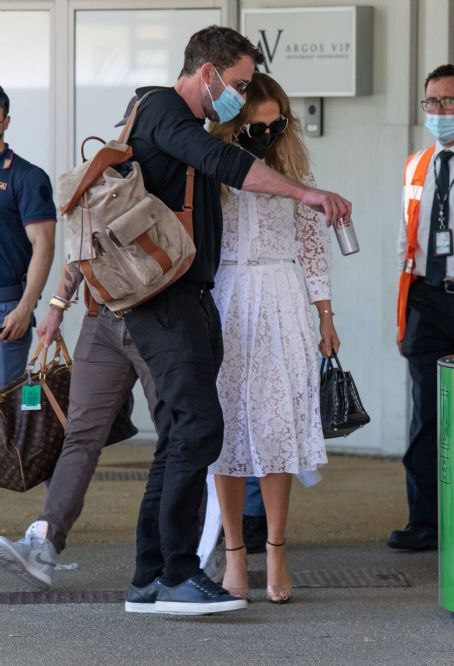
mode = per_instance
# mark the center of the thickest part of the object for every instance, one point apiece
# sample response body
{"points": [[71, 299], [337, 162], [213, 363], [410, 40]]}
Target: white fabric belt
{"points": [[258, 262]]}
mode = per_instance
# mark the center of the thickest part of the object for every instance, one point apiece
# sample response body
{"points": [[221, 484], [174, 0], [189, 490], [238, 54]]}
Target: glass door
{"points": [[119, 50], [25, 76]]}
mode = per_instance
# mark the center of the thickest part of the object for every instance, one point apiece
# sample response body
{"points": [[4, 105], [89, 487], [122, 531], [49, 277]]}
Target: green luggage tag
{"points": [[31, 396]]}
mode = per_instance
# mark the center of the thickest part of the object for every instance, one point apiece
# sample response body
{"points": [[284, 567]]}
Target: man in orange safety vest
{"points": [[426, 301]]}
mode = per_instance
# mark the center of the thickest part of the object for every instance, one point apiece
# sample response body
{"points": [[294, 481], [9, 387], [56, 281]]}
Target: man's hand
{"points": [[41, 235], [332, 205], [16, 324], [50, 327]]}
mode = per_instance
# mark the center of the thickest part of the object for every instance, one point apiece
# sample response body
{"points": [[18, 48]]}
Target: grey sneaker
{"points": [[32, 558], [215, 567]]}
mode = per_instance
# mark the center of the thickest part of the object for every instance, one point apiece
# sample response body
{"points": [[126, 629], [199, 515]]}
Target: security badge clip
{"points": [[443, 245], [442, 238], [31, 395]]}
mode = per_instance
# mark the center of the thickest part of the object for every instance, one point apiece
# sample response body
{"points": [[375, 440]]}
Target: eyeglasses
{"points": [[431, 103], [259, 129], [240, 85]]}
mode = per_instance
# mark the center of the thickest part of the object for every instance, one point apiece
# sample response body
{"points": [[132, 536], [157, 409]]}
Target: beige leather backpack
{"points": [[127, 243]]}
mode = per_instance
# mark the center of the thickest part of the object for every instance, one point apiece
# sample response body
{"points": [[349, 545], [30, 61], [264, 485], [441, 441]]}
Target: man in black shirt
{"points": [[178, 333], [166, 127]]}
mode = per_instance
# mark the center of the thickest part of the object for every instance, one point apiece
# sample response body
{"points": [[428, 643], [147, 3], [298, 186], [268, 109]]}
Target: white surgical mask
{"points": [[440, 126]]}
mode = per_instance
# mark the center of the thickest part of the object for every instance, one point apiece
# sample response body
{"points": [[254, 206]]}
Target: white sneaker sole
{"points": [[186, 608], [15, 564], [138, 607]]}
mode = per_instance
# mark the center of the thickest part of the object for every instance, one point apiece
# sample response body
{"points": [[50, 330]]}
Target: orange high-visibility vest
{"points": [[415, 172]]}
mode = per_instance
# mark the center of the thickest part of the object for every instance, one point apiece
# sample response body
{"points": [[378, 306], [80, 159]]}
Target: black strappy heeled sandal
{"points": [[240, 592]]}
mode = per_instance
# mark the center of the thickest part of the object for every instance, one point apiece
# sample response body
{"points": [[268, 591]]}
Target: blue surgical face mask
{"points": [[229, 103], [441, 127]]}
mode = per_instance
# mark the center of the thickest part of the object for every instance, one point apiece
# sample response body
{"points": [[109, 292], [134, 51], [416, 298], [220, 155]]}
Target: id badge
{"points": [[443, 243], [31, 397]]}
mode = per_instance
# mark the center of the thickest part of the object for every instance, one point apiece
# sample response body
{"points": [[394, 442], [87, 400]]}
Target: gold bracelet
{"points": [[58, 303], [326, 312]]}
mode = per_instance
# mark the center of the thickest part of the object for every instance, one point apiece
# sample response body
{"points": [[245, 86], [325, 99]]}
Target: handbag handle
{"points": [[335, 357], [60, 348], [40, 350], [327, 364]]}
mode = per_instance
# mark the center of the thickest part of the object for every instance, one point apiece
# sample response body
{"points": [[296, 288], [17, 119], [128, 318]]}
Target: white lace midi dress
{"points": [[275, 262]]}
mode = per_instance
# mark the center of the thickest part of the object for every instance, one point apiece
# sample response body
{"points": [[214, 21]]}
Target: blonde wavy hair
{"points": [[288, 154]]}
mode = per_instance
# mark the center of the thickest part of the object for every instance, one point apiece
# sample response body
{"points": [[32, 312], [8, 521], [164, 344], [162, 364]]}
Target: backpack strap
{"points": [[189, 190], [190, 173], [90, 303], [185, 215], [127, 129]]}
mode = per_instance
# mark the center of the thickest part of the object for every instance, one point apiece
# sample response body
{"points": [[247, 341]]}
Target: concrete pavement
{"points": [[336, 537], [327, 626]]}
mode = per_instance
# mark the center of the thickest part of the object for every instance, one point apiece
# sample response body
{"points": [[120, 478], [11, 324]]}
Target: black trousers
{"points": [[179, 335], [429, 336]]}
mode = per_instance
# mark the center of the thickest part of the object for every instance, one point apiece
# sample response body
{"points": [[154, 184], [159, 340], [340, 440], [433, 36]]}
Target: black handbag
{"points": [[31, 441], [341, 409]]}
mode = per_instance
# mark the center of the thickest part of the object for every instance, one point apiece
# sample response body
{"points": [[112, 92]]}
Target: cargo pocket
{"points": [[138, 226], [132, 224]]}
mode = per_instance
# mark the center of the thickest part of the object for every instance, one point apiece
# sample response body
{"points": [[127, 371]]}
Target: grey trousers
{"points": [[106, 366]]}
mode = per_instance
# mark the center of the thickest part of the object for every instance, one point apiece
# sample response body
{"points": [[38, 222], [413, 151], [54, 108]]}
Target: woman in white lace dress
{"points": [[275, 262]]}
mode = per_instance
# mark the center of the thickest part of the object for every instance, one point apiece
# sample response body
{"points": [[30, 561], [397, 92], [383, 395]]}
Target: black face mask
{"points": [[259, 146]]}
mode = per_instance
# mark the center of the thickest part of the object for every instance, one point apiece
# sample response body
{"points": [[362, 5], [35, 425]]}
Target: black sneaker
{"points": [[198, 595], [142, 599]]}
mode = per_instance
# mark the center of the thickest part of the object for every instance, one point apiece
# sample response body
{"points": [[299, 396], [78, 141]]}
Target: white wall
{"points": [[364, 142]]}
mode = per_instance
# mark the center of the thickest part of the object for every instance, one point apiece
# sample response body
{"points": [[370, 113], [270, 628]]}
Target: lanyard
{"points": [[441, 202]]}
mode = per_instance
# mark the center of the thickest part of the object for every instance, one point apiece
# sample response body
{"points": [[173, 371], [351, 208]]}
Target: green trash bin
{"points": [[446, 481]]}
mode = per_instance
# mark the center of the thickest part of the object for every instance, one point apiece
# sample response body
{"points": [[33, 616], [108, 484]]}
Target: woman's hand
{"points": [[330, 341]]}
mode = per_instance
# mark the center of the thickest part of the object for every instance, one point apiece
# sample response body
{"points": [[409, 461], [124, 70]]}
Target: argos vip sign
{"points": [[315, 51]]}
